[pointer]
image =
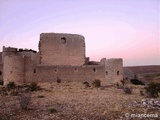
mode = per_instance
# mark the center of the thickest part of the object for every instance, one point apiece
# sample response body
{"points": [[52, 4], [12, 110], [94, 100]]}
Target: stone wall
{"points": [[114, 70], [61, 56], [13, 69], [62, 49], [69, 73], [20, 68]]}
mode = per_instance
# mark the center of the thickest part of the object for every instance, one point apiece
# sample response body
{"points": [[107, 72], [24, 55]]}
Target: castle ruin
{"points": [[60, 56]]}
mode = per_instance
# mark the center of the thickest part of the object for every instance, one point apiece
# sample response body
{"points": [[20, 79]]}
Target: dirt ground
{"points": [[75, 101]]}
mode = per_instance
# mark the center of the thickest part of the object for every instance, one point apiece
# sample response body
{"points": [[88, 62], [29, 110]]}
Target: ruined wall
{"points": [[13, 69], [113, 70], [69, 73], [62, 49]]}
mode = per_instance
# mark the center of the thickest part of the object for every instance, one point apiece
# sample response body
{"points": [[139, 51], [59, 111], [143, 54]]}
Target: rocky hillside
{"points": [[145, 74]]}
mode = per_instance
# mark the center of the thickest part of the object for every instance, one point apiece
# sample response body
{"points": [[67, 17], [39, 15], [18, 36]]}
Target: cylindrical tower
{"points": [[8, 51], [14, 69]]}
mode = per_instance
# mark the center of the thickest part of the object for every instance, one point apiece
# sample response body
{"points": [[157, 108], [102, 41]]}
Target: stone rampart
{"points": [[69, 73]]}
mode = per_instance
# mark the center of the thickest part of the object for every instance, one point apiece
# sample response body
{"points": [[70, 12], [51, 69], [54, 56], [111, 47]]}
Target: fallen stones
{"points": [[147, 103]]}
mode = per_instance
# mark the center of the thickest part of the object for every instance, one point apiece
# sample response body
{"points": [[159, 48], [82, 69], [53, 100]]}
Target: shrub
{"points": [[14, 92], [58, 80], [1, 82], [119, 86], [11, 85], [40, 96], [5, 116], [141, 92], [153, 89], [86, 84], [123, 82], [127, 90], [53, 110], [34, 86], [96, 83], [24, 100]]}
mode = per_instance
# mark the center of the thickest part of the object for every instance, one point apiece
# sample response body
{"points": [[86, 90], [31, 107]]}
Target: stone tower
{"points": [[62, 49]]}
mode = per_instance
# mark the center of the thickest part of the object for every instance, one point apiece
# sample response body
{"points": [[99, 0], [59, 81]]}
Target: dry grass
{"points": [[72, 101]]}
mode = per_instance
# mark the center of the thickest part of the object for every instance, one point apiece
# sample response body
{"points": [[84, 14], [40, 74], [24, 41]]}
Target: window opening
{"points": [[63, 40], [106, 73], [117, 72], [94, 69], [55, 70], [34, 71]]}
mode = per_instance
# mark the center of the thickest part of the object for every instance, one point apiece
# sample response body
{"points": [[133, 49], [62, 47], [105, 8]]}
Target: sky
{"points": [[127, 29]]}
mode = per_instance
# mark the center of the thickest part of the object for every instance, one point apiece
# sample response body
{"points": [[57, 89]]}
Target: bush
{"points": [[53, 110], [58, 80], [96, 83], [40, 96], [1, 82], [123, 82], [11, 85], [119, 86], [141, 92], [127, 90], [153, 89], [136, 82], [34, 86], [24, 100], [14, 92], [86, 84]]}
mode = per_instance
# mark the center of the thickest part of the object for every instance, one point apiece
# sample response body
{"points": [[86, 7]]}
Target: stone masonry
{"points": [[60, 56]]}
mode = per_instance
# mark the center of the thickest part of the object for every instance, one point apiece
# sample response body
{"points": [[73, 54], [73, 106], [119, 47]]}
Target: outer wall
{"points": [[69, 73], [14, 69]]}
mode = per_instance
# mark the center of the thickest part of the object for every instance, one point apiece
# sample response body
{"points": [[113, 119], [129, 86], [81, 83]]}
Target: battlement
{"points": [[9, 49], [26, 50]]}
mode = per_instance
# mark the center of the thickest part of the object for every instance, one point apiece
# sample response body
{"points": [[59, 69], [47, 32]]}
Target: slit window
{"points": [[55, 70], [106, 73], [34, 71], [117, 72], [63, 40], [0, 72], [94, 69]]}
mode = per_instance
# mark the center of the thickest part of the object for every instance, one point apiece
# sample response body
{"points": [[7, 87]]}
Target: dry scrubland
{"points": [[74, 101]]}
